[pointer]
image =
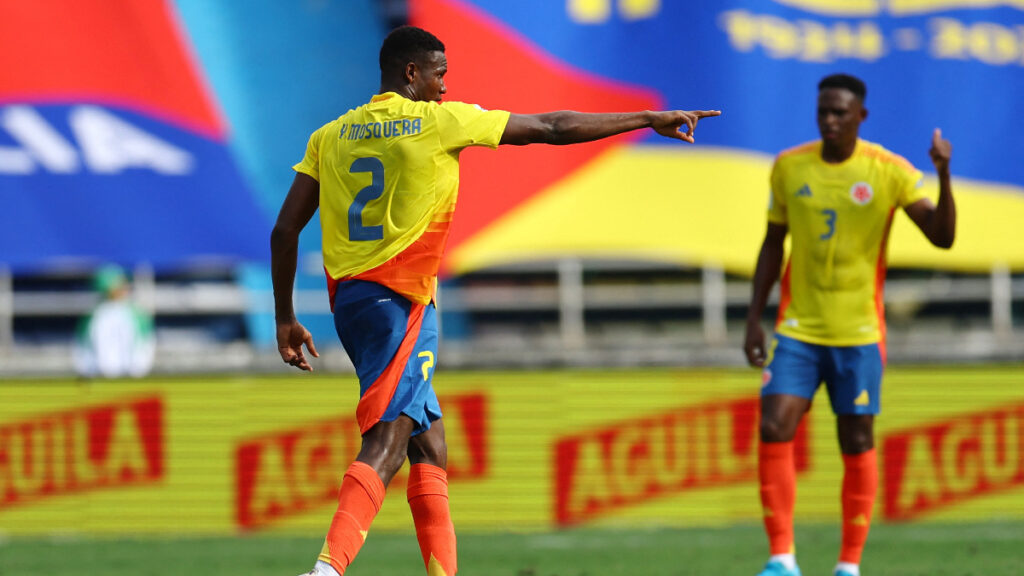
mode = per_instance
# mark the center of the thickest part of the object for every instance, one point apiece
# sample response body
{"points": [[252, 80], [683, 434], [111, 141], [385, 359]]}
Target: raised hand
{"points": [[670, 123], [941, 151], [290, 338]]}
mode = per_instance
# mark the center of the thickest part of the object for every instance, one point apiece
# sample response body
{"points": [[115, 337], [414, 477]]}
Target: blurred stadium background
{"points": [[593, 299]]}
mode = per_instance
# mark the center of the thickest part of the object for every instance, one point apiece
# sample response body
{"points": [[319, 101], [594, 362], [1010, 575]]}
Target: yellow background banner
{"points": [[710, 206], [528, 451]]}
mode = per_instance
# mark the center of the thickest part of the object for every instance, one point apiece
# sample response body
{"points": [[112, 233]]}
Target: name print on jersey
{"points": [[391, 129]]}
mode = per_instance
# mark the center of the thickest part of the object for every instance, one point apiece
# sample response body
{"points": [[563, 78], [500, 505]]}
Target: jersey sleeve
{"points": [[910, 183], [310, 164], [777, 200], [462, 125]]}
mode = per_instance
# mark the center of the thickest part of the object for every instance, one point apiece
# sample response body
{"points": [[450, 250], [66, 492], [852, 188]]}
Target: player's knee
{"points": [[432, 451], [856, 434], [857, 442], [387, 463], [774, 429], [384, 453]]}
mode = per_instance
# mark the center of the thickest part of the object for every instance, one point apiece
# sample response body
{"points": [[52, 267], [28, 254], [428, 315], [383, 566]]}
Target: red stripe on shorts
{"points": [[375, 402]]}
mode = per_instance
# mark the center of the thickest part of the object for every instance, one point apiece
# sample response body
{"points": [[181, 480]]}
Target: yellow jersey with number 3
{"points": [[839, 216], [389, 180]]}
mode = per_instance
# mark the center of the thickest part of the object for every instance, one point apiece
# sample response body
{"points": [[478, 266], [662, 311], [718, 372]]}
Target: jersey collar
{"points": [[384, 96], [856, 151]]}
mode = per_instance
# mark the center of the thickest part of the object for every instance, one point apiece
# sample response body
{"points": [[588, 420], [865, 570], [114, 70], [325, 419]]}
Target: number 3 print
{"points": [[830, 219]]}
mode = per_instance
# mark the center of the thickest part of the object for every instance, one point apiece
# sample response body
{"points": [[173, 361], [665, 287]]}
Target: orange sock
{"points": [[777, 472], [428, 500], [359, 500], [860, 484]]}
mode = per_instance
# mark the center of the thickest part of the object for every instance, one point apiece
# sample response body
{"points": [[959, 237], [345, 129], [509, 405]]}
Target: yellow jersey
{"points": [[839, 216], [389, 180]]}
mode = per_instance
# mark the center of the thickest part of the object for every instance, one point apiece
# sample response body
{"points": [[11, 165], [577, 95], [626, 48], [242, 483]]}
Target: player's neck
{"points": [[836, 153], [404, 91]]}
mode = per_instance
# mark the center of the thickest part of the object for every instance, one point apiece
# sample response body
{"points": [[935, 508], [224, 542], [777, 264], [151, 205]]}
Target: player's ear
{"points": [[411, 70], [863, 113]]}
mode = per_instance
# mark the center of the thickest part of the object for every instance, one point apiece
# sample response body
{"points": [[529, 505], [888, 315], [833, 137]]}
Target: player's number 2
{"points": [[356, 230], [830, 220]]}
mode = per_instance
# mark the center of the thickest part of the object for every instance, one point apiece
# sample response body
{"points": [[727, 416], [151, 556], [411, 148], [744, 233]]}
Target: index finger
{"points": [[706, 113], [309, 345], [300, 362], [936, 136]]}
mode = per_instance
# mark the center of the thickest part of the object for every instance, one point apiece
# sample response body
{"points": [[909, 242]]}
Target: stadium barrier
{"points": [[528, 451], [570, 312]]}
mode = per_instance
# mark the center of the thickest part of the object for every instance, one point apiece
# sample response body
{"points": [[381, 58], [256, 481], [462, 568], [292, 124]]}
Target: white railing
{"points": [[568, 297]]}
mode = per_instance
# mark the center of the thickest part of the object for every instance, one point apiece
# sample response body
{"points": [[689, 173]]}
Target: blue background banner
{"points": [[927, 64], [112, 185], [277, 72]]}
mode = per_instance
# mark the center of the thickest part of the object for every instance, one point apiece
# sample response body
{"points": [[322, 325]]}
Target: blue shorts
{"points": [[852, 374], [392, 343]]}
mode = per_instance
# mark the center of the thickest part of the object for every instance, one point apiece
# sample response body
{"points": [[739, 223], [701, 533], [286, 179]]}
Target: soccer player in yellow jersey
{"points": [[836, 198], [385, 177]]}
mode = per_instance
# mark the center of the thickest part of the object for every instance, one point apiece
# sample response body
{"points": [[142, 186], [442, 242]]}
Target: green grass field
{"points": [[989, 549]]}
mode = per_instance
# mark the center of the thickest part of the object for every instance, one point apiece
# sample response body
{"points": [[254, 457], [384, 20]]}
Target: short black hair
{"points": [[406, 44], [846, 82]]}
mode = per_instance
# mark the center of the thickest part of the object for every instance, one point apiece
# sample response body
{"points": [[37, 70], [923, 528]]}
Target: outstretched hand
{"points": [[670, 123], [290, 338], [941, 151]]}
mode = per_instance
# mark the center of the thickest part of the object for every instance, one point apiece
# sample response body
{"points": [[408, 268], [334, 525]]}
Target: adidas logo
{"points": [[862, 399], [804, 191]]}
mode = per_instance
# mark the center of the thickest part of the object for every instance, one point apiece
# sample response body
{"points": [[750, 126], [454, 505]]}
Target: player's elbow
{"points": [[568, 127], [943, 239], [283, 236], [556, 128], [945, 242]]}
